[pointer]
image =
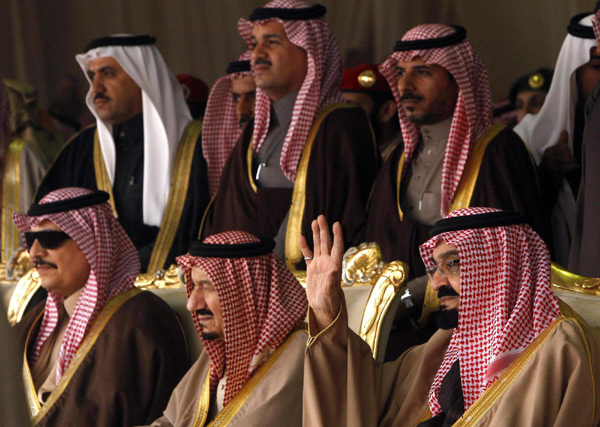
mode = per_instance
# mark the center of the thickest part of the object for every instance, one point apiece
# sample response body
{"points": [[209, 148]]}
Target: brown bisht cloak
{"points": [[126, 376], [506, 179], [80, 164], [334, 178]]}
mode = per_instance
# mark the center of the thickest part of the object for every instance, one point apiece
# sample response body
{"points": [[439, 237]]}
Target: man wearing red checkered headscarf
{"points": [[514, 354], [230, 106], [96, 340], [248, 309], [452, 157], [306, 152]]}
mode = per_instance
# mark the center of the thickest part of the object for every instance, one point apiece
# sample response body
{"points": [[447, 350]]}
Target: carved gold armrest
{"points": [[568, 281]]}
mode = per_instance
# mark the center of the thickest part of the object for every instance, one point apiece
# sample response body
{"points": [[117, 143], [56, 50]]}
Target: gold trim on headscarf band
{"points": [[293, 254], [180, 181], [38, 411]]}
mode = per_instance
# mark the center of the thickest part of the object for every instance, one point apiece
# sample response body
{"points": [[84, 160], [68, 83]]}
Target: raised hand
{"points": [[324, 271]]}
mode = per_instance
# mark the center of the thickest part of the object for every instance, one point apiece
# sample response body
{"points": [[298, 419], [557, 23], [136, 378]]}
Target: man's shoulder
{"points": [[503, 141], [574, 333], [146, 311], [340, 113], [81, 141]]}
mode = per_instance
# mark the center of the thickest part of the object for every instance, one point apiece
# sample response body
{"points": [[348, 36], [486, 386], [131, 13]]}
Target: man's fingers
{"points": [[306, 252], [337, 252], [316, 238], [324, 235]]}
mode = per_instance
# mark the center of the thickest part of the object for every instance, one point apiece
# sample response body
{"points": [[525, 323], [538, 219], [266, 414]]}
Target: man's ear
{"points": [[387, 111]]}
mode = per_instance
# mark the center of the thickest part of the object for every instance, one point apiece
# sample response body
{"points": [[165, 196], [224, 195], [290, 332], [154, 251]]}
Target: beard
{"points": [[446, 318]]}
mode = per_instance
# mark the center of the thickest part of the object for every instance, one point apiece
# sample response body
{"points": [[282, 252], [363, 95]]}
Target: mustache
{"points": [[101, 96], [204, 312], [262, 61], [447, 291], [409, 95], [40, 261]]}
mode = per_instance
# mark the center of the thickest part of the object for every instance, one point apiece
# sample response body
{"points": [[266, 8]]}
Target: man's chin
{"points": [[446, 318]]}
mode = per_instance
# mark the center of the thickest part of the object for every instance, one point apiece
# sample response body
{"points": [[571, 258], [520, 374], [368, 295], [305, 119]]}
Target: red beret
{"points": [[194, 89], [365, 78]]}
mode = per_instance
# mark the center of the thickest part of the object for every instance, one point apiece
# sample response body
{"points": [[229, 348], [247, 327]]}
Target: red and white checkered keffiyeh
{"points": [[261, 301], [320, 88], [596, 24], [221, 128], [505, 301], [473, 111], [114, 265]]}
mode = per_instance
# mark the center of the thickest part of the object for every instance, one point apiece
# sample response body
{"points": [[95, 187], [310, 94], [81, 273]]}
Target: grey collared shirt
{"points": [[422, 189], [266, 164]]}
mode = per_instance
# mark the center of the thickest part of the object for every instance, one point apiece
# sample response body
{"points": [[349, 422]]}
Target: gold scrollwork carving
{"points": [[362, 265], [389, 283], [161, 279], [24, 291], [566, 280]]}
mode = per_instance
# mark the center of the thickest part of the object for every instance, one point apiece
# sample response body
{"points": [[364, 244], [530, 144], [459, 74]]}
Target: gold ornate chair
{"points": [[581, 293]]}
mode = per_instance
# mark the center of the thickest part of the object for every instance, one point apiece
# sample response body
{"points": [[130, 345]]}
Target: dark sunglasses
{"points": [[48, 239]]}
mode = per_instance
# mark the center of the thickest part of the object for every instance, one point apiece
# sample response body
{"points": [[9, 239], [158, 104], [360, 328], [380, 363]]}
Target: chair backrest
{"points": [[581, 293], [372, 290]]}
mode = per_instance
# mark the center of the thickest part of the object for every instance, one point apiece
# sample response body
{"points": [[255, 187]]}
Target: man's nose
{"points": [[405, 82], [98, 85], [196, 301], [36, 250], [257, 52], [438, 281]]}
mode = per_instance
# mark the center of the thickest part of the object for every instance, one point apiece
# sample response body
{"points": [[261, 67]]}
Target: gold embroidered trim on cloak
{"points": [[489, 397], [203, 403], [226, 415], [180, 181], [398, 179], [464, 192], [249, 158], [102, 180], [38, 411], [293, 254]]}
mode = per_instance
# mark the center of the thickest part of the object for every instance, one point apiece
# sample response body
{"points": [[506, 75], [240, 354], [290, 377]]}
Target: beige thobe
{"points": [[44, 370], [275, 401], [557, 385]]}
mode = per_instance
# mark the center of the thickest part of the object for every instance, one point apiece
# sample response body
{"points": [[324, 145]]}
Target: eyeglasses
{"points": [[48, 239], [446, 268]]}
